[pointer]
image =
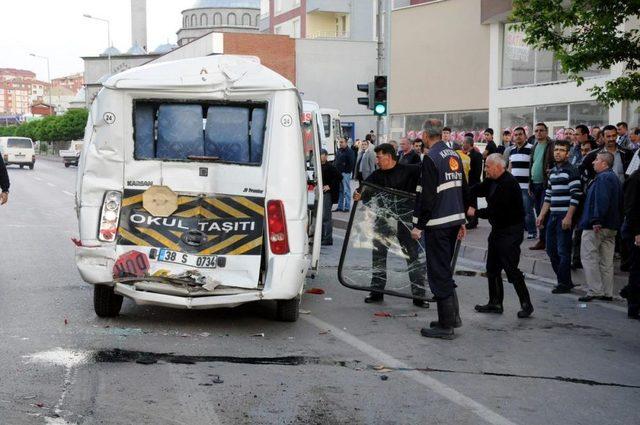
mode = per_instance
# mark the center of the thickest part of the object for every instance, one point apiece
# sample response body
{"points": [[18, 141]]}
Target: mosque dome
{"points": [[226, 4], [164, 48], [111, 51], [137, 50]]}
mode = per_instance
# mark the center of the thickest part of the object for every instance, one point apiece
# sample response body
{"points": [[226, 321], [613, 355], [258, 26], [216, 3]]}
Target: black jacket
{"points": [[504, 201], [401, 177], [586, 168], [632, 202], [345, 160], [412, 158], [4, 176], [475, 169], [332, 178]]}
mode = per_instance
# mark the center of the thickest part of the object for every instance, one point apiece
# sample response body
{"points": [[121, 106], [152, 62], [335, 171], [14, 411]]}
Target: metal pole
{"points": [[387, 61], [380, 59]]}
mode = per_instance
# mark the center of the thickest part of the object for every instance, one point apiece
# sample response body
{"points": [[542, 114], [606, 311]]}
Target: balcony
{"points": [[329, 34], [335, 6]]}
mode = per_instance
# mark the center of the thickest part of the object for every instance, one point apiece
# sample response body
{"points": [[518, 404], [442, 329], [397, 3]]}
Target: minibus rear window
{"points": [[19, 143], [170, 131]]}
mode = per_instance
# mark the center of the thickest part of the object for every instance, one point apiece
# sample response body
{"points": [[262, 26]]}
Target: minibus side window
{"points": [[171, 131], [326, 122]]}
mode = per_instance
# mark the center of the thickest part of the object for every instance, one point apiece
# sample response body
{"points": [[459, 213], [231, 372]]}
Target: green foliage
{"points": [[69, 126], [584, 34]]}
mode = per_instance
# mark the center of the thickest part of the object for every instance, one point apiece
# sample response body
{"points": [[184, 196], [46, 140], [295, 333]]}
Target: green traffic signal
{"points": [[380, 109]]}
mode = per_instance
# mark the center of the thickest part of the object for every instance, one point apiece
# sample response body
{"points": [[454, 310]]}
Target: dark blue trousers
{"points": [[440, 247]]}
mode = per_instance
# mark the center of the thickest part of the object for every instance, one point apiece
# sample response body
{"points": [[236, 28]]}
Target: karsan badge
{"points": [[160, 201]]}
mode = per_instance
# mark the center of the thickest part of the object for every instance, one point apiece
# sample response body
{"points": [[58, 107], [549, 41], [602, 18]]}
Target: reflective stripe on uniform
{"points": [[449, 185], [418, 189], [414, 220], [447, 219]]}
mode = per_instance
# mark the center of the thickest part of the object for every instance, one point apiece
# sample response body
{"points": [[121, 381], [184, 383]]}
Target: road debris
{"points": [[328, 299], [305, 312], [324, 332], [258, 335], [384, 377], [315, 291]]}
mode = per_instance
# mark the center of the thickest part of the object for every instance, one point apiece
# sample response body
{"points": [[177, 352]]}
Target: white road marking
{"points": [[38, 178], [433, 384], [68, 193], [51, 185]]}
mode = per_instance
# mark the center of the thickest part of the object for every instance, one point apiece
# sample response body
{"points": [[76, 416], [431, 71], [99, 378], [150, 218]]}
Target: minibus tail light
{"points": [[110, 216], [278, 237]]}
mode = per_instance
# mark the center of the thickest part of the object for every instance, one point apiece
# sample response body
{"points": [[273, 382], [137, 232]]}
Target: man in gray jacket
{"points": [[366, 163]]}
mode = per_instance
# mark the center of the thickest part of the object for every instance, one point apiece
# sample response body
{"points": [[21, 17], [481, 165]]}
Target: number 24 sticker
{"points": [[109, 118]]}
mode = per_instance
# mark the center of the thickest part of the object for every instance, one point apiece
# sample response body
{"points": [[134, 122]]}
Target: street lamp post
{"points": [[108, 36], [49, 78]]}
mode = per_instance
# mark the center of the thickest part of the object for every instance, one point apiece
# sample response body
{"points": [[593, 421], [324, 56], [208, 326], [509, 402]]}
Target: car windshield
{"points": [[19, 143]]}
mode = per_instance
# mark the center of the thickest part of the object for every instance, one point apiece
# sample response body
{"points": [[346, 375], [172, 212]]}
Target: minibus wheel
{"points": [[106, 303], [31, 166], [66, 165], [288, 310]]}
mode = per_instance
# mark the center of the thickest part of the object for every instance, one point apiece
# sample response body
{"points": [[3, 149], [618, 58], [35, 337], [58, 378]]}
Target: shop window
{"points": [[517, 117], [588, 113]]}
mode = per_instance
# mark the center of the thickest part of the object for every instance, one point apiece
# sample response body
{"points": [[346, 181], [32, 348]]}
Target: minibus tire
{"points": [[21, 166], [31, 166], [66, 165], [288, 310], [106, 303]]}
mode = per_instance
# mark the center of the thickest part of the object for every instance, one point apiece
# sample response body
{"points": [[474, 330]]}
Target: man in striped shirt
{"points": [[519, 157], [562, 197]]}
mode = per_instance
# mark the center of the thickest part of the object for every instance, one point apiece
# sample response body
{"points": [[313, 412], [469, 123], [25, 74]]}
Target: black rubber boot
{"points": [[458, 322], [447, 319], [496, 295], [374, 297], [523, 295]]}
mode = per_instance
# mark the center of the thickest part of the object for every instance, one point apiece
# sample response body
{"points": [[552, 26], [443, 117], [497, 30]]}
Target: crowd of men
{"points": [[578, 197]]}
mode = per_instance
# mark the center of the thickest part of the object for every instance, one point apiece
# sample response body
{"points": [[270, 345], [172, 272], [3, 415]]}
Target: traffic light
{"points": [[368, 89], [380, 95]]}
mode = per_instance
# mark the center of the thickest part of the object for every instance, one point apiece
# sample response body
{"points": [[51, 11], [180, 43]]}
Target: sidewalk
{"points": [[474, 248]]}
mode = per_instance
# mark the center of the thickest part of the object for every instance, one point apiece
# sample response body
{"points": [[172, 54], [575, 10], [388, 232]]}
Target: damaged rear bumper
{"points": [[283, 280]]}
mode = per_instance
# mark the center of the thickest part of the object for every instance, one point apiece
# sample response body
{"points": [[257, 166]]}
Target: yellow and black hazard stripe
{"points": [[208, 215]]}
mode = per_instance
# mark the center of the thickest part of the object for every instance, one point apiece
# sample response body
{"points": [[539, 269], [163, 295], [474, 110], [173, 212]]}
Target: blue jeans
{"points": [[538, 190], [529, 214], [344, 202], [559, 249]]}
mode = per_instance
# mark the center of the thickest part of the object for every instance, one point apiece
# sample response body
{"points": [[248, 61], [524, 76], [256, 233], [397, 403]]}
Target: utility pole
{"points": [[380, 59]]}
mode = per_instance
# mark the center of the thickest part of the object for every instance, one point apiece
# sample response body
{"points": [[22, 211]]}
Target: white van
{"points": [[192, 188], [71, 156], [329, 127], [18, 151]]}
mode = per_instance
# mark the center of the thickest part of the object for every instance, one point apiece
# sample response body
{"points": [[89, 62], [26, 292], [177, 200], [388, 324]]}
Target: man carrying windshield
{"points": [[404, 177]]}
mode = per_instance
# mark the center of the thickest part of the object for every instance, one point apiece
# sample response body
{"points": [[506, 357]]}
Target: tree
{"points": [[584, 34]]}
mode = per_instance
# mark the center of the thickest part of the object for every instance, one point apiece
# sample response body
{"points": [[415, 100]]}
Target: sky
{"points": [[57, 29]]}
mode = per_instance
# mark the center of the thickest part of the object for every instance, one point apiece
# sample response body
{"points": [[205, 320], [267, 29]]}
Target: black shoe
{"points": [[337, 210], [526, 311], [489, 308], [587, 298], [576, 266], [374, 297], [561, 289], [326, 243], [446, 321], [421, 303], [605, 298]]}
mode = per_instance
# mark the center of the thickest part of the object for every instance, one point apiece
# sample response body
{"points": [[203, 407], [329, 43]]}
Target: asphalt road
{"points": [[61, 364]]}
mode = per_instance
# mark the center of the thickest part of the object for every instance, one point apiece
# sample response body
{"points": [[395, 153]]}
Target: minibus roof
{"points": [[210, 73]]}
